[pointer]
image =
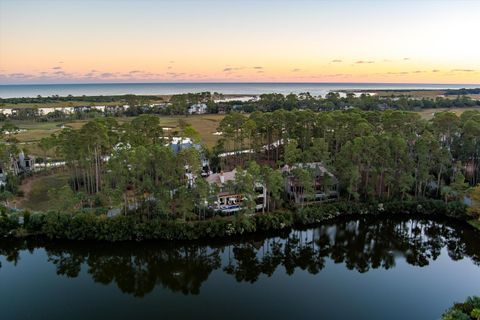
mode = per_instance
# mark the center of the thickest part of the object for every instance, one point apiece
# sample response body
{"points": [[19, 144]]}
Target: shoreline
{"points": [[91, 227]]}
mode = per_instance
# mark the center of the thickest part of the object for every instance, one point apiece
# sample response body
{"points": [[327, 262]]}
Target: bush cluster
{"points": [[92, 226], [315, 214], [468, 310]]}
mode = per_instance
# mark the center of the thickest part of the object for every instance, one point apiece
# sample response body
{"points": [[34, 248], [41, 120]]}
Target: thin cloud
{"points": [[406, 59], [364, 62], [57, 68], [336, 61], [19, 75], [258, 68], [135, 71], [463, 70], [231, 69], [435, 70], [296, 70], [175, 74], [338, 75]]}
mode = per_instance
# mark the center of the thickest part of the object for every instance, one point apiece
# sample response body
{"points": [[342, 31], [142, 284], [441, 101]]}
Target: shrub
{"points": [[470, 309], [274, 221], [92, 224], [8, 223]]}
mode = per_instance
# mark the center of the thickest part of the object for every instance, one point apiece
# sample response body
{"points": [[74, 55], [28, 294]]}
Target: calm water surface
{"points": [[345, 269], [32, 90]]}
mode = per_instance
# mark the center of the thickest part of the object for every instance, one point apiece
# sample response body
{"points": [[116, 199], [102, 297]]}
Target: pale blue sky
{"points": [[201, 39]]}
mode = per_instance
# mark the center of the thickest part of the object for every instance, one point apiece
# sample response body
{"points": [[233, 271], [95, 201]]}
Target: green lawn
{"points": [[475, 223], [428, 113]]}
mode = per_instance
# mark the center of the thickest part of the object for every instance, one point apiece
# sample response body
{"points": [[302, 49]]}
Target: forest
{"points": [[376, 156]]}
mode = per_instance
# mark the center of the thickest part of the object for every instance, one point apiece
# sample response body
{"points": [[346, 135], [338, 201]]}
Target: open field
{"points": [[117, 100], [58, 104], [36, 188], [206, 125], [418, 94], [429, 113]]}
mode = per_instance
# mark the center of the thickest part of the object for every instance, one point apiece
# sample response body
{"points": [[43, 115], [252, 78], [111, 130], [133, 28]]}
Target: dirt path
{"points": [[26, 188]]}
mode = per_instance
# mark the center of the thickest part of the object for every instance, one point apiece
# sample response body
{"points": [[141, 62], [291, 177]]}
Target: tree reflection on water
{"points": [[361, 245]]}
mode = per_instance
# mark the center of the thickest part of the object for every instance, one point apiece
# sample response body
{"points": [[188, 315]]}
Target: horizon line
{"points": [[234, 82]]}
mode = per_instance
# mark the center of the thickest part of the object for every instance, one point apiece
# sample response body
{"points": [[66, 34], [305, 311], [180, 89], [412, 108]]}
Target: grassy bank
{"points": [[475, 223], [90, 226]]}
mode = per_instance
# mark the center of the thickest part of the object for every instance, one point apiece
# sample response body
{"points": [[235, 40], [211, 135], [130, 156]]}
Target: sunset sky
{"points": [[239, 40]]}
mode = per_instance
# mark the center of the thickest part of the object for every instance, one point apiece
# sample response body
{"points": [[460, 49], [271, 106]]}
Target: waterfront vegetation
{"points": [[390, 161], [467, 310], [89, 225]]}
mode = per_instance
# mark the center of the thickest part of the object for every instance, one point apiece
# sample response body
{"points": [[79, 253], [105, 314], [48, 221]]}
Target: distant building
{"points": [[99, 108], [17, 165], [160, 106], [199, 108], [7, 111], [48, 110]]}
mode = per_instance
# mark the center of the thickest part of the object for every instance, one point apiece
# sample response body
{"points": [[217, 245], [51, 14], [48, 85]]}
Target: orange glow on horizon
{"points": [[48, 41]]}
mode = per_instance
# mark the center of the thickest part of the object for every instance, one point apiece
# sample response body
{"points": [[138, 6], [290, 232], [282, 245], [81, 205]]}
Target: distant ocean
{"points": [[12, 91]]}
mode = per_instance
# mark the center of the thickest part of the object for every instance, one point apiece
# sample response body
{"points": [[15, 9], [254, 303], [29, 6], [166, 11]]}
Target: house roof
{"points": [[215, 178]]}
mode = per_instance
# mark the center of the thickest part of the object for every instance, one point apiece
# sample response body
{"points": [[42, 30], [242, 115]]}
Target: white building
{"points": [[99, 108], [7, 112], [199, 108]]}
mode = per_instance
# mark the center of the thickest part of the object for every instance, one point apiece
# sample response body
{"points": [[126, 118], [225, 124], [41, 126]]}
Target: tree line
{"points": [[180, 103]]}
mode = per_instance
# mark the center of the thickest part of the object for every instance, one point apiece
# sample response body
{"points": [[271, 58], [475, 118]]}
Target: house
{"points": [[158, 106], [45, 111], [18, 164], [228, 201], [198, 108], [178, 144], [6, 112], [23, 163], [325, 184], [99, 108]]}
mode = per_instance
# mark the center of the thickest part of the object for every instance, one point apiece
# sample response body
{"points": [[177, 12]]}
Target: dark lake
{"points": [[361, 268]]}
